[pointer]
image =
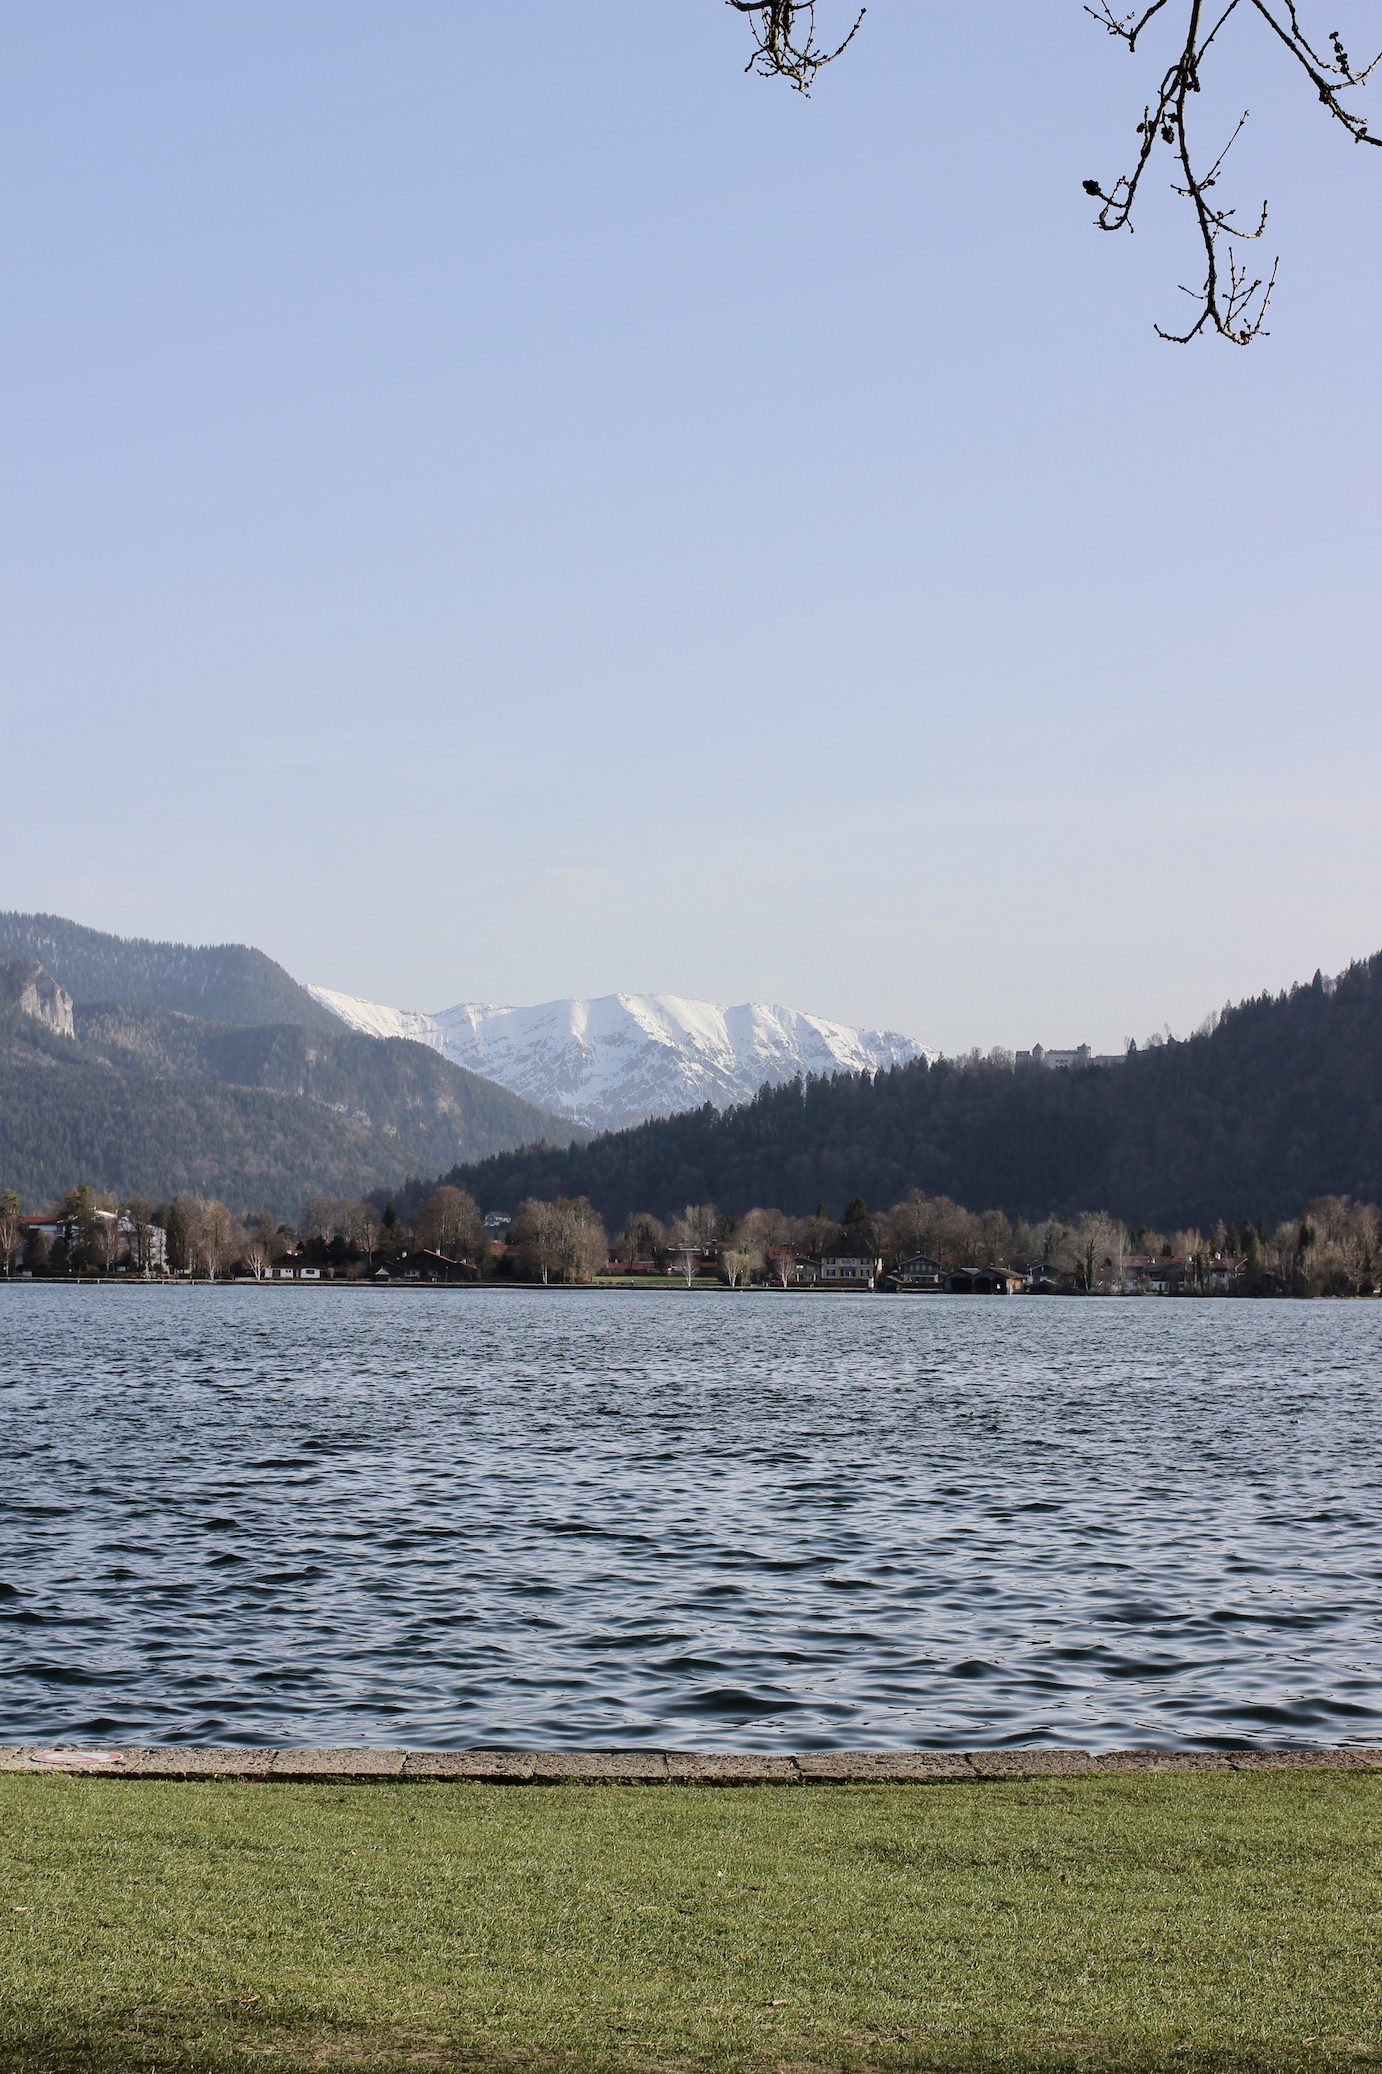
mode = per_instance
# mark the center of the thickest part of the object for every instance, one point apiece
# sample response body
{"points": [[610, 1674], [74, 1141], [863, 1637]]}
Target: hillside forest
{"points": [[1271, 1104], [140, 1096]]}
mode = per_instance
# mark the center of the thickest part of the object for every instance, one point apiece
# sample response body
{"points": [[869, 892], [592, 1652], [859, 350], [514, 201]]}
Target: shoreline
{"points": [[652, 1287], [659, 1767]]}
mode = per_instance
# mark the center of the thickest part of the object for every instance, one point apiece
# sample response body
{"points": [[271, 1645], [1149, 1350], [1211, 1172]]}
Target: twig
{"points": [[1231, 300], [780, 51]]}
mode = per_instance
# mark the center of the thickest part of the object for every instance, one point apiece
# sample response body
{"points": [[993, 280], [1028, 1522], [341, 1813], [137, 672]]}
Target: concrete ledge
{"points": [[878, 1767], [1031, 1764], [599, 1767], [665, 1767], [724, 1768], [1361, 1760], [500, 1767], [199, 1764], [1166, 1760], [337, 1764]]}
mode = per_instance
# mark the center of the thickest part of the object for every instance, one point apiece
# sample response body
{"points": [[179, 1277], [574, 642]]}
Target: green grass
{"points": [[1173, 1922], [657, 1282]]}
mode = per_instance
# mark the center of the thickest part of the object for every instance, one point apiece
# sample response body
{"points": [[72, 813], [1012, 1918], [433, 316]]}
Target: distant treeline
{"points": [[88, 1231], [1333, 1249], [1276, 1103]]}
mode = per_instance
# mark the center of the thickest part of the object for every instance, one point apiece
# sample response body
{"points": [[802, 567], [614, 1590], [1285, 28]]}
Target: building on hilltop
{"points": [[1068, 1061]]}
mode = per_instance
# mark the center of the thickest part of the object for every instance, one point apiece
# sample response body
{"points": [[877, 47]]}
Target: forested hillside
{"points": [[434, 1110], [147, 1102], [221, 983], [211, 1069], [66, 1117], [1280, 1102]]}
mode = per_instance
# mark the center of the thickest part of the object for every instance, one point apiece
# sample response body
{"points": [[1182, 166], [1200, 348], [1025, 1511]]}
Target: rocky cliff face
{"points": [[26, 986]]}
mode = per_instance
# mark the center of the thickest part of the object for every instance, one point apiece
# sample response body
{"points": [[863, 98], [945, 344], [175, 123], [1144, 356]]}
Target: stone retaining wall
{"points": [[666, 1767]]}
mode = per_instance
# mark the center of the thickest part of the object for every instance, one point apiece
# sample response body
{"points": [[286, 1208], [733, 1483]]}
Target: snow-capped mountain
{"points": [[624, 1057]]}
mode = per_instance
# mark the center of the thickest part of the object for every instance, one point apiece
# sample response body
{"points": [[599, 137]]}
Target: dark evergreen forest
{"points": [[145, 1101], [221, 983], [210, 1068], [1280, 1102]]}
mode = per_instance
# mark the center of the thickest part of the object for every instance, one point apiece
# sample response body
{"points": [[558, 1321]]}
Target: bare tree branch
{"points": [[1232, 300], [785, 40]]}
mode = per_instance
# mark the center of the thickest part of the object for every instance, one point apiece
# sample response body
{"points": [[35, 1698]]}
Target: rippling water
{"points": [[568, 1518]]}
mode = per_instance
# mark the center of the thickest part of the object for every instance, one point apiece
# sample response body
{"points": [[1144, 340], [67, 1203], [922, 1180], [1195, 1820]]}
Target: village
{"points": [[923, 1246]]}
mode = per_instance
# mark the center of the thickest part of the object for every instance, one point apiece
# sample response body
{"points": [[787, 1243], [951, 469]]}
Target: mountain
{"points": [[1279, 1102], [147, 1101], [68, 1116], [624, 1057], [221, 983], [433, 1111]]}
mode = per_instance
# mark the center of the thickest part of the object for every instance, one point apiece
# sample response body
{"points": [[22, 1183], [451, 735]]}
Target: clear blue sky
{"points": [[496, 504]]}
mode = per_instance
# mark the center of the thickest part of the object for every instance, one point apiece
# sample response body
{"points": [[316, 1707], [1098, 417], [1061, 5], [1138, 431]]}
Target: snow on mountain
{"points": [[372, 1020], [624, 1057]]}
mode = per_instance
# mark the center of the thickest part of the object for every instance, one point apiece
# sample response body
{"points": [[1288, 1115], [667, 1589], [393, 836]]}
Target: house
{"points": [[850, 1264], [1169, 1277], [983, 1281], [1039, 1278], [119, 1246], [698, 1261], [422, 1264], [787, 1269], [918, 1272], [154, 1243], [123, 1245], [1150, 1274]]}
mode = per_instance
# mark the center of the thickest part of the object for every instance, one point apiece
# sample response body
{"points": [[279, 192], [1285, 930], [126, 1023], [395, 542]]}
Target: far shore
{"points": [[650, 1285]]}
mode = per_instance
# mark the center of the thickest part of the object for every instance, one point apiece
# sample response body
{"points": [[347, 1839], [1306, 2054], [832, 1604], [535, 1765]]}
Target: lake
{"points": [[552, 1519]]}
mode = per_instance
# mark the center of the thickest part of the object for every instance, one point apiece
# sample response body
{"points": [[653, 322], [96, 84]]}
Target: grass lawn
{"points": [[1171, 1922], [658, 1282]]}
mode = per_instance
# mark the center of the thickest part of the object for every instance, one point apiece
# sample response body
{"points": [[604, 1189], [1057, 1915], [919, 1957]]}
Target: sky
{"points": [[497, 504]]}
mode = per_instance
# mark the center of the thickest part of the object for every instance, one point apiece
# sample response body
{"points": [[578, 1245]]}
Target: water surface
{"points": [[558, 1519]]}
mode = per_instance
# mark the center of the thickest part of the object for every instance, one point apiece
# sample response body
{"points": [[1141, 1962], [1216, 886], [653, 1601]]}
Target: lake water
{"points": [[560, 1519]]}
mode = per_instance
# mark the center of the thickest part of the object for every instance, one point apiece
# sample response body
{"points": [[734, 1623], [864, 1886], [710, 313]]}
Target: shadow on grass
{"points": [[153, 2045]]}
